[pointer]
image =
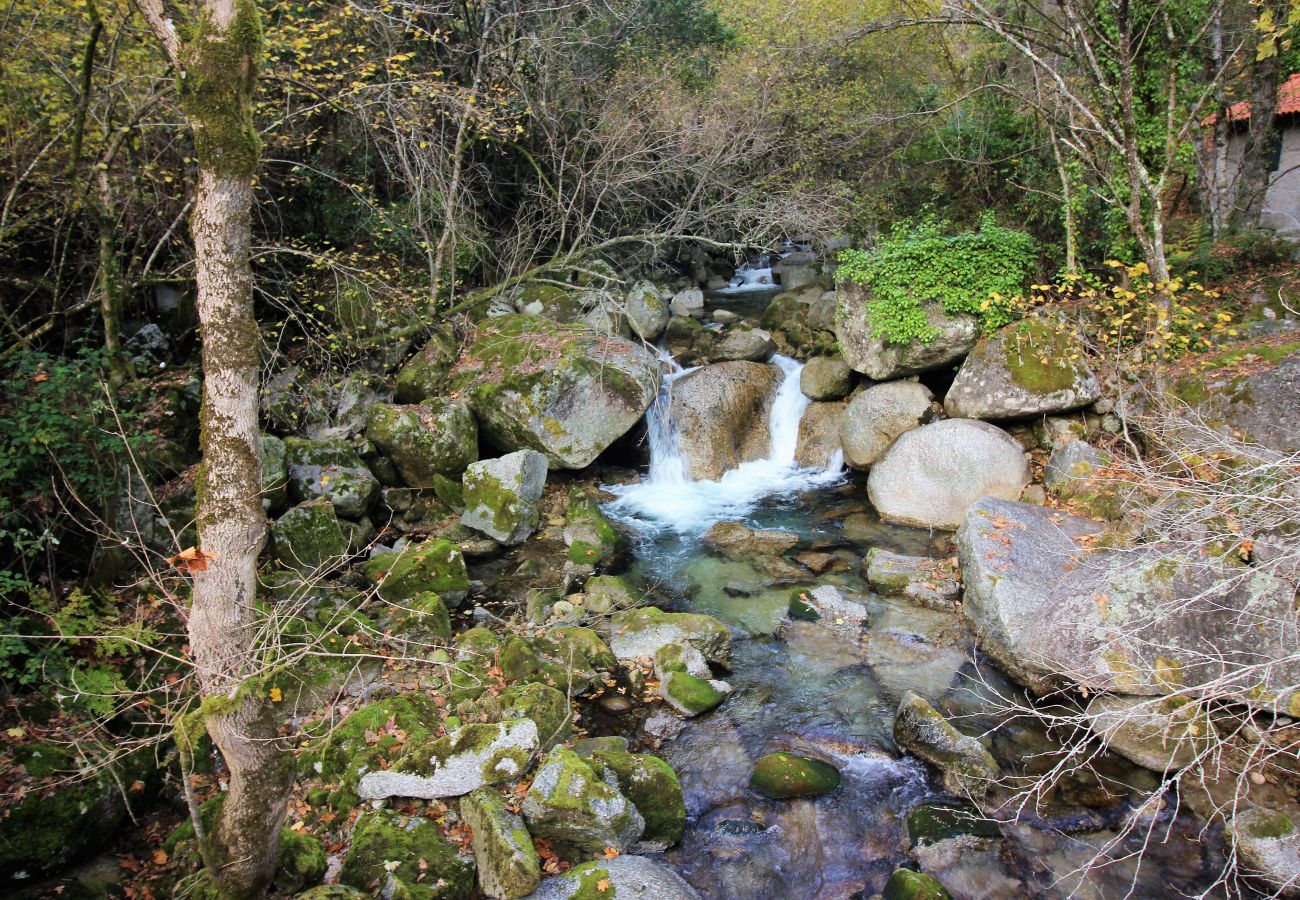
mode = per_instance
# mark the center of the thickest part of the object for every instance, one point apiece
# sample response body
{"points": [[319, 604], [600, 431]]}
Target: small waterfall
{"points": [[668, 500]]}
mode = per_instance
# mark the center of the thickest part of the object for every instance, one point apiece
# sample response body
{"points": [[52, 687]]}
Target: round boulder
{"points": [[825, 378], [1026, 369], [929, 477], [878, 415]]}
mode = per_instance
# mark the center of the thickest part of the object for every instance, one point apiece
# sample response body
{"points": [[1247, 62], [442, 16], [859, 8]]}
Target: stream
{"points": [[812, 689]]}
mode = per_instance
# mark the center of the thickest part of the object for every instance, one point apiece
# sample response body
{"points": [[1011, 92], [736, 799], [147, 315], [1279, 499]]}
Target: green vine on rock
{"points": [[918, 263]]}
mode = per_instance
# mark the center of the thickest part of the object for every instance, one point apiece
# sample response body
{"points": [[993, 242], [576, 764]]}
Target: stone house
{"points": [[1281, 210]]}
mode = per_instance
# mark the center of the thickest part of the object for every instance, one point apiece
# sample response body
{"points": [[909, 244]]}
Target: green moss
{"points": [[407, 858], [582, 553], [783, 775], [1038, 356], [41, 760], [435, 565], [221, 68], [936, 822], [548, 707], [800, 609], [301, 863], [905, 884], [695, 695], [590, 877], [1270, 825], [449, 492], [653, 788]]}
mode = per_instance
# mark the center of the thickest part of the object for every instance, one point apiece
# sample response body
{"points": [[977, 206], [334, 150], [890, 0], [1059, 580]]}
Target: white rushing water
{"points": [[668, 500]]}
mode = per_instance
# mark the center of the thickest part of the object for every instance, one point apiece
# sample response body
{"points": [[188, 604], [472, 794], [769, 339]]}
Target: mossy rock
{"points": [[422, 376], [449, 492], [905, 884], [565, 391], [467, 758], [406, 858], [70, 814], [275, 474], [638, 633], [419, 622], [801, 610], [508, 864], [301, 863], [689, 694], [569, 659], [570, 804], [607, 593], [332, 892], [436, 437], [965, 764], [1028, 368], [653, 788], [330, 469], [309, 539], [434, 565], [592, 538], [783, 776], [339, 758], [501, 495], [935, 822], [548, 707]]}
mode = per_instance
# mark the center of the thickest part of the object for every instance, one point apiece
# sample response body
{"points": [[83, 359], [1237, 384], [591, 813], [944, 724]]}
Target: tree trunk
{"points": [[218, 64]]}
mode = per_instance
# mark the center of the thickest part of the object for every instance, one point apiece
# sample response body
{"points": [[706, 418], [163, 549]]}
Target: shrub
{"points": [[922, 262]]}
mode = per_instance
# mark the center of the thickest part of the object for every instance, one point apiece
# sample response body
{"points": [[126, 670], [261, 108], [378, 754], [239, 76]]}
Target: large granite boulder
{"points": [[436, 437], [965, 765], [567, 392], [929, 477], [570, 804], [508, 864], [1054, 610], [721, 413], [878, 415], [879, 359], [1026, 369], [330, 469], [819, 434], [825, 378], [739, 341], [501, 495]]}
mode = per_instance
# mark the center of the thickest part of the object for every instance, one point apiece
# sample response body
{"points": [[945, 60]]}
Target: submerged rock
{"points": [[564, 391], [623, 876], [878, 415], [881, 360], [467, 759], [404, 856], [1026, 369], [784, 776], [568, 803], [501, 495], [966, 766], [930, 477], [508, 864], [738, 541], [721, 413], [905, 884]]}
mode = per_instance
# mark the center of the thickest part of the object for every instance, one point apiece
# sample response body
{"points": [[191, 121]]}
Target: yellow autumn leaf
{"points": [[276, 695]]}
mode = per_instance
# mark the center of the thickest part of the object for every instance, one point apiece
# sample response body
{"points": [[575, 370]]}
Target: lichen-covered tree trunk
{"points": [[218, 62]]}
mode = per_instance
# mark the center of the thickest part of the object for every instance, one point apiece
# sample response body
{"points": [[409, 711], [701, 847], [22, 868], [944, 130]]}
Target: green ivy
{"points": [[979, 273]]}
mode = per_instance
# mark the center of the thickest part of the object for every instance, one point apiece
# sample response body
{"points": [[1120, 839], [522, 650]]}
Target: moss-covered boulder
{"points": [[309, 539], [508, 864], [905, 884], [784, 776], [435, 565], [332, 892], [623, 876], [685, 680], [965, 764], [564, 391], [422, 376], [547, 706], [470, 757], [1248, 391], [367, 740], [405, 857], [418, 623], [608, 593], [301, 863], [647, 314], [330, 469], [501, 495], [436, 437], [591, 538], [275, 474], [569, 659], [76, 806], [1029, 368], [568, 803], [653, 788], [638, 633], [1072, 469]]}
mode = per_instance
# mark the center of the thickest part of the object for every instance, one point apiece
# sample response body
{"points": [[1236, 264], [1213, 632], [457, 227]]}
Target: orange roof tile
{"points": [[1288, 101]]}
